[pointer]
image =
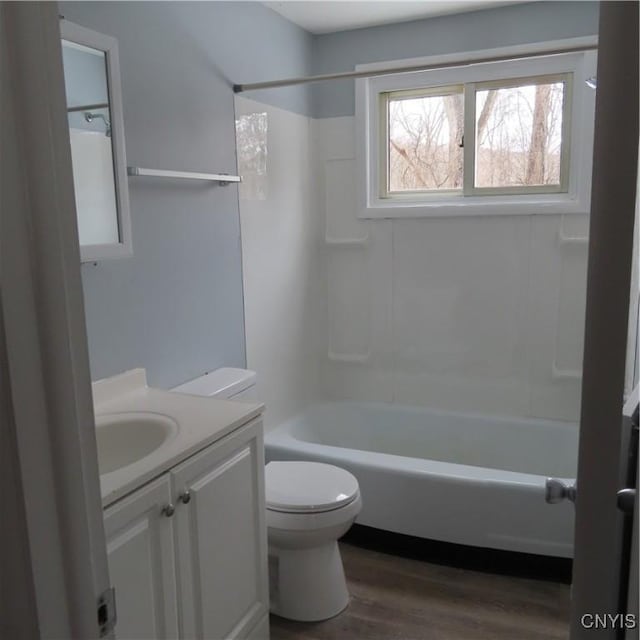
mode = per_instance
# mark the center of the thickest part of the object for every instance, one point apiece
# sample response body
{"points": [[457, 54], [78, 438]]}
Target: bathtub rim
{"points": [[283, 437]]}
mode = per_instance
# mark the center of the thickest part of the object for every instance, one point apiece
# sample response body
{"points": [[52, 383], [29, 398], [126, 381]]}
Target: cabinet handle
{"points": [[185, 497], [168, 510]]}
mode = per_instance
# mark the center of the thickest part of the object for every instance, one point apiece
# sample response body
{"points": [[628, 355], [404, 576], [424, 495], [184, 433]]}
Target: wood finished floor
{"points": [[395, 598]]}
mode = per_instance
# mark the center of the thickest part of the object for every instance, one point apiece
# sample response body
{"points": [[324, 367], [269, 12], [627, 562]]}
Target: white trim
{"points": [[469, 127], [347, 242], [74, 33], [47, 355], [599, 551], [575, 201]]}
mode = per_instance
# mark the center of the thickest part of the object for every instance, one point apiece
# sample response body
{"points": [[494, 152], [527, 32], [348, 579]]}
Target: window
{"points": [[501, 137], [515, 139], [423, 140]]}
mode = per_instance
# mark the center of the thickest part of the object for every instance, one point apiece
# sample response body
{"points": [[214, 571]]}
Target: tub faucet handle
{"points": [[557, 491]]}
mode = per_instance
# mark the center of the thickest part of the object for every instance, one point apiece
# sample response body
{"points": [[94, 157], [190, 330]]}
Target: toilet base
{"points": [[307, 584]]}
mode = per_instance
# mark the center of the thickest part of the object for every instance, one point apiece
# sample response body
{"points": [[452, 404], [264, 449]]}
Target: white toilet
{"points": [[309, 506]]}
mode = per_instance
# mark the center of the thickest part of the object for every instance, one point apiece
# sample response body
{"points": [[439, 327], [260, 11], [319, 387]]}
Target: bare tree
{"points": [[417, 158], [518, 139], [539, 135], [487, 108], [454, 108]]}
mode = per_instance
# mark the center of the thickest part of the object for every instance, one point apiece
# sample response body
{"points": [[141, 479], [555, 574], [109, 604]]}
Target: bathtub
{"points": [[461, 478]]}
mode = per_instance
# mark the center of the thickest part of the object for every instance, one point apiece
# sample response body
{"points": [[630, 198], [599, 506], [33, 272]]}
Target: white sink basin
{"points": [[126, 438]]}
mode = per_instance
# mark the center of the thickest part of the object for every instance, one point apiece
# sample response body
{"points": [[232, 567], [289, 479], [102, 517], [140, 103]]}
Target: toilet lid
{"points": [[308, 487]]}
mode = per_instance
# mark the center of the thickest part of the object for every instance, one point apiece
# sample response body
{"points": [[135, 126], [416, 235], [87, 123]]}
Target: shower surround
{"points": [[476, 314]]}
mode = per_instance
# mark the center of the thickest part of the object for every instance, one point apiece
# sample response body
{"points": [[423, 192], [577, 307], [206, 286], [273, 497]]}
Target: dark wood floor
{"points": [[395, 598]]}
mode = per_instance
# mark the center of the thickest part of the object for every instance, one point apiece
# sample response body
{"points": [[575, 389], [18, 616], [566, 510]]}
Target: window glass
{"points": [[519, 135], [424, 142]]}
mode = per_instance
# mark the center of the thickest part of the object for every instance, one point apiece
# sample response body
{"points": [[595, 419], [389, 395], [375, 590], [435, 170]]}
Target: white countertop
{"points": [[202, 421]]}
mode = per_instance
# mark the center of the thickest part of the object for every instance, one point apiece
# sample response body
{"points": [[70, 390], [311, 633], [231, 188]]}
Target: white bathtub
{"points": [[467, 479]]}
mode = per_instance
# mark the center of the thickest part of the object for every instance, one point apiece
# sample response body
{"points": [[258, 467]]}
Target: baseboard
{"points": [[524, 565]]}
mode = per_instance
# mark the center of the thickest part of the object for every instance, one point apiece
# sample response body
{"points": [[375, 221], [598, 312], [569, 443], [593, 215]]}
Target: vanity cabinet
{"points": [[188, 552], [140, 549]]}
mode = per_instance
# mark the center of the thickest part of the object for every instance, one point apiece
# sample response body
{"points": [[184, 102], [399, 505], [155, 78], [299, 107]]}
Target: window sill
{"points": [[474, 206]]}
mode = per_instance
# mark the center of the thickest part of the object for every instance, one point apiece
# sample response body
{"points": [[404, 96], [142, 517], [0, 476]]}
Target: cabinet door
{"points": [[221, 538], [142, 563]]}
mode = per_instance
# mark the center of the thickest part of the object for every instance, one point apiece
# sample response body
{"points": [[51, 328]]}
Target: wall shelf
{"points": [[222, 178], [347, 242], [349, 357], [575, 240], [565, 374]]}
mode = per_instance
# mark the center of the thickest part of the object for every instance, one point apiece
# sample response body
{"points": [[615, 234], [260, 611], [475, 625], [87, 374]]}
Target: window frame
{"points": [[573, 193], [565, 155], [384, 154]]}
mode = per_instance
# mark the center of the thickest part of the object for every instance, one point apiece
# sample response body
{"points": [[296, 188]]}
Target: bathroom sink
{"points": [[126, 438]]}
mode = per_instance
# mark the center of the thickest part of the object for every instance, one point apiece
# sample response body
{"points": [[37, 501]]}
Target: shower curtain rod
{"points": [[345, 75]]}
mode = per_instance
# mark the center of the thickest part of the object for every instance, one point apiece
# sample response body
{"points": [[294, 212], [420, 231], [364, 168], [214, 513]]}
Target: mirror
{"points": [[96, 134]]}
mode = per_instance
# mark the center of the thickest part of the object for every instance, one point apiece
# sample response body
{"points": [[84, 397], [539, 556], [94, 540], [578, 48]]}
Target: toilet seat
{"points": [[308, 487], [313, 521]]}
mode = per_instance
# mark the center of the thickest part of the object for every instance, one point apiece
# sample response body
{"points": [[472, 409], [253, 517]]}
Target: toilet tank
{"points": [[227, 383]]}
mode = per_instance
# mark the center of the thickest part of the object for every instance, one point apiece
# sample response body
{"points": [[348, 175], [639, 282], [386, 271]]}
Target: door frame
{"points": [[45, 390], [598, 531]]}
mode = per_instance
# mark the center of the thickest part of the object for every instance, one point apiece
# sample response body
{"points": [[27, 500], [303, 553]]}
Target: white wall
{"points": [[474, 314], [482, 314], [281, 263]]}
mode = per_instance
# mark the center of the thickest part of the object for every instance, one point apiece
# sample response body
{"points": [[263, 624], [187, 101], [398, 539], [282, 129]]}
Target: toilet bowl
{"points": [[309, 506]]}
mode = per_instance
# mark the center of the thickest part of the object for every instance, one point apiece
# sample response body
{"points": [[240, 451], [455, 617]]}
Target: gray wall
{"points": [[531, 22], [176, 306]]}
